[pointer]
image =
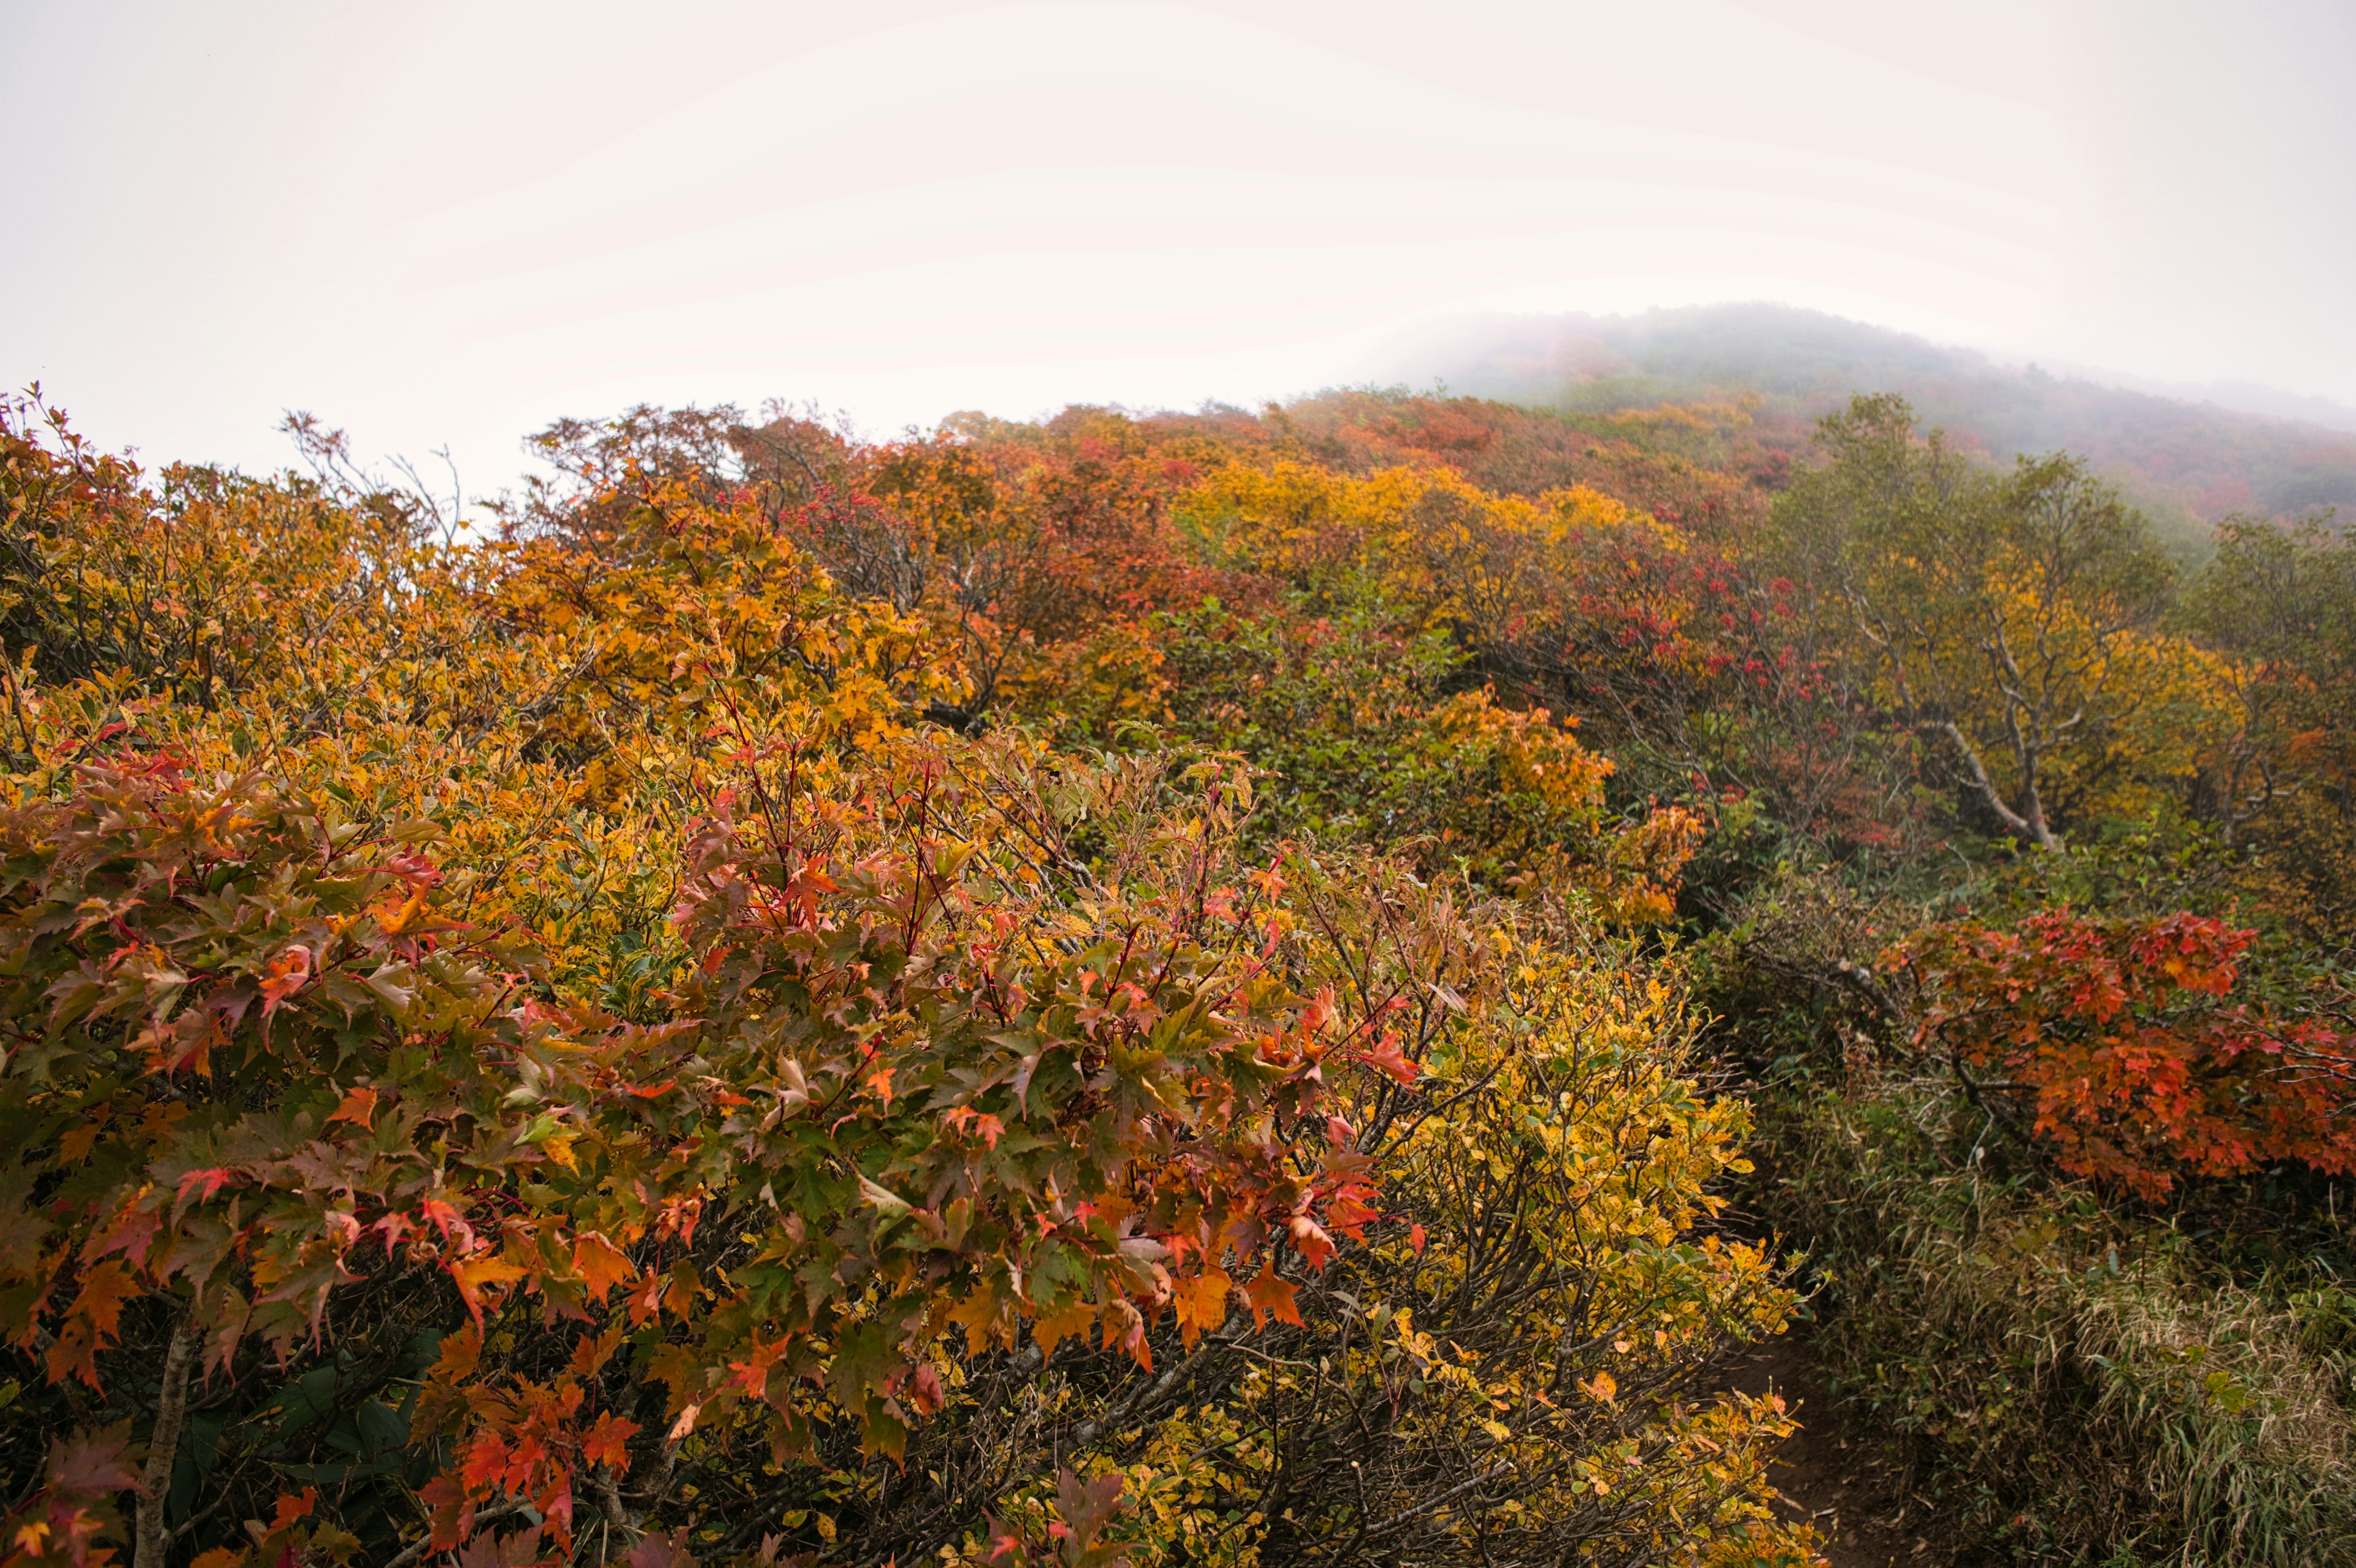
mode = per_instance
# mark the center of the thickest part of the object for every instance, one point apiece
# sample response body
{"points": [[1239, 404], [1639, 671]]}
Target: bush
{"points": [[556, 1061]]}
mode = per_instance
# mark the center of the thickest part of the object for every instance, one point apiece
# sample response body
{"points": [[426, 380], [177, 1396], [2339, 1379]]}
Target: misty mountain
{"points": [[2188, 462]]}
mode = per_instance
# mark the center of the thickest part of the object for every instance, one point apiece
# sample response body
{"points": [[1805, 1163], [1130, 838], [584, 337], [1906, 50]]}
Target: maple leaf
{"points": [[752, 1373], [1349, 1214], [978, 1314], [1384, 1056], [646, 1299], [1086, 1506], [925, 1391], [1310, 1240], [89, 1465], [591, 1352], [209, 1181], [130, 1232], [1122, 1313], [1202, 1304], [457, 1355], [485, 1462], [358, 1107], [601, 1265], [475, 1273], [608, 1443], [977, 1124], [1271, 1298], [75, 1143], [555, 1505], [521, 1549], [446, 1217], [285, 976], [1068, 1322], [657, 1550], [91, 1322]]}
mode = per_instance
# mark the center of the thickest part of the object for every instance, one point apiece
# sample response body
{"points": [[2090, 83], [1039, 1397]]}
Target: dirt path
{"points": [[1828, 1478]]}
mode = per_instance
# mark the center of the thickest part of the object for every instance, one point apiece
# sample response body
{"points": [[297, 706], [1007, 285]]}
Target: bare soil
{"points": [[1833, 1479]]}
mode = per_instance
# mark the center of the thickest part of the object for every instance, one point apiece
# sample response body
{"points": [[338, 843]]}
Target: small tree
{"points": [[2007, 617]]}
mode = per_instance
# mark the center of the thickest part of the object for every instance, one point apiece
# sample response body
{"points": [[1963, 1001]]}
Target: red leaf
{"points": [[656, 1550], [212, 1181], [609, 1441], [89, 1465], [486, 1461]]}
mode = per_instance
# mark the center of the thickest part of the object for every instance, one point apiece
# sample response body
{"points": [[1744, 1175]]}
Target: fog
{"points": [[447, 225]]}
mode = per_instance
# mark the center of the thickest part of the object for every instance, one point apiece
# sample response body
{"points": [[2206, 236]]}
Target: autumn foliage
{"points": [[806, 999], [2126, 1050], [1107, 990]]}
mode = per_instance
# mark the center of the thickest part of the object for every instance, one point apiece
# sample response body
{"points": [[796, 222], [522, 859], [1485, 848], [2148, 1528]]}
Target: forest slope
{"points": [[1227, 988]]}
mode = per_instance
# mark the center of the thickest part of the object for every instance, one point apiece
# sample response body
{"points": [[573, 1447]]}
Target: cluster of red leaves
{"points": [[253, 1063], [71, 1510], [2124, 1038], [195, 973], [983, 1096]]}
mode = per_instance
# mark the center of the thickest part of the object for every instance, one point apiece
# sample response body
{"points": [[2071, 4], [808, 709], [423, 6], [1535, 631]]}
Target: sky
{"points": [[444, 226]]}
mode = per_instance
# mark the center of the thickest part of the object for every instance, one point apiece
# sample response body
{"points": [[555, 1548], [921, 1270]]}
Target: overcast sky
{"points": [[449, 224]]}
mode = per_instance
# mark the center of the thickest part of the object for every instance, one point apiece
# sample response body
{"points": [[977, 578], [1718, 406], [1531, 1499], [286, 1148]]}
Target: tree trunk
{"points": [[163, 1449], [2031, 825]]}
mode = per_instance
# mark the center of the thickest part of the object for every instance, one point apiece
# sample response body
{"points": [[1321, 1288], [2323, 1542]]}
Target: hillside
{"points": [[1378, 981], [2187, 463]]}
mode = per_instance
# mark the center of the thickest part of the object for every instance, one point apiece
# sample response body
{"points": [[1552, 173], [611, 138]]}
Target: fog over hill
{"points": [[2191, 455]]}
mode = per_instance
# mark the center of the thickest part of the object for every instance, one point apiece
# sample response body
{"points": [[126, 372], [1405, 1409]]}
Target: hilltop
{"points": [[2187, 463]]}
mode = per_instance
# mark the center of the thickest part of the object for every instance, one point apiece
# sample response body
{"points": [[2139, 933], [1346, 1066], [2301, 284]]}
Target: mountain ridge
{"points": [[2190, 464]]}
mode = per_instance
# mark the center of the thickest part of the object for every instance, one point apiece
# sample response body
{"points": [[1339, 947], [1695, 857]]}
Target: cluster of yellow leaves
{"points": [[1428, 537]]}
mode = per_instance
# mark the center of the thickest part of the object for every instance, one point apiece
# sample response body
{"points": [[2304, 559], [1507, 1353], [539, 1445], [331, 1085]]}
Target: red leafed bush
{"points": [[2125, 1040]]}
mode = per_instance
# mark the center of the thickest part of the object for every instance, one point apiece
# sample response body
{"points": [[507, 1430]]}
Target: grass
{"points": [[2064, 1384]]}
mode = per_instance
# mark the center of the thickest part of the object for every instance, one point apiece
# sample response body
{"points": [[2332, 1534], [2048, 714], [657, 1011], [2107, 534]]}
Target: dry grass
{"points": [[2066, 1386]]}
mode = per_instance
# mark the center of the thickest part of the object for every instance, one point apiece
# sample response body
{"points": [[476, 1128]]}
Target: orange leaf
{"points": [[1070, 1323], [609, 1441], [601, 1265], [752, 1371], [104, 1289], [1271, 1297], [1202, 1304], [476, 1274], [460, 1351], [358, 1108], [486, 1462]]}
